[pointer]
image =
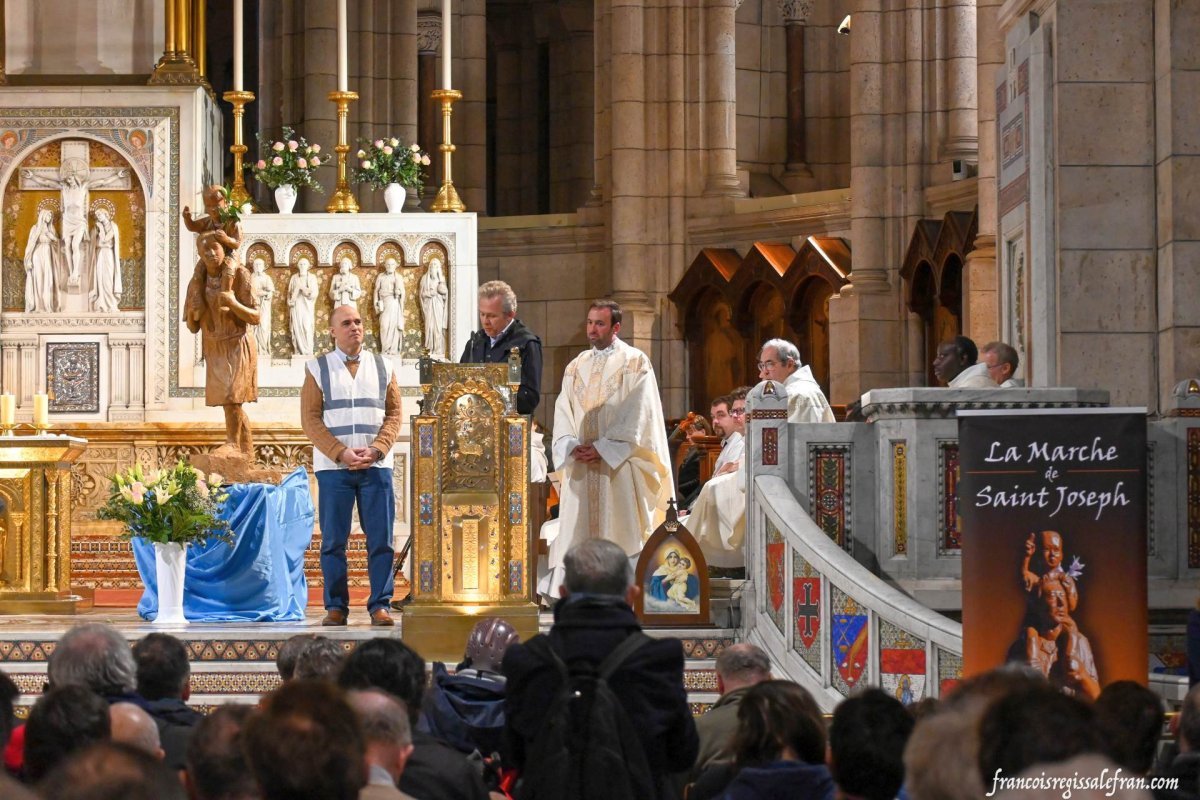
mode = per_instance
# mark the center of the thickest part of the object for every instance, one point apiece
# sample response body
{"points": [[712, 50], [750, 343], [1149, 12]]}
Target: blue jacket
{"points": [[782, 780]]}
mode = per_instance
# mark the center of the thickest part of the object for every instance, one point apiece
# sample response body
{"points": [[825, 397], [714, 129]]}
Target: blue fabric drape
{"points": [[260, 577]]}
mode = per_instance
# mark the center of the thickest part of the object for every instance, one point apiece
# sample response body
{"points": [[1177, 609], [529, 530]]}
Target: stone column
{"points": [[796, 14], [429, 40], [981, 285], [29, 371], [404, 100], [720, 106], [314, 54], [10, 367], [470, 113], [962, 122], [137, 376], [118, 375]]}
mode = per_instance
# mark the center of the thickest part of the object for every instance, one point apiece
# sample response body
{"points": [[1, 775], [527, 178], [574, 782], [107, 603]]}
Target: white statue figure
{"points": [[345, 288], [433, 304], [42, 257], [389, 305], [302, 303], [262, 285], [74, 187], [106, 264]]}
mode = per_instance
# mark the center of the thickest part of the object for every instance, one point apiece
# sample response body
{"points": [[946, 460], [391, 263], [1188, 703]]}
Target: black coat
{"points": [[649, 684], [436, 771], [479, 351]]}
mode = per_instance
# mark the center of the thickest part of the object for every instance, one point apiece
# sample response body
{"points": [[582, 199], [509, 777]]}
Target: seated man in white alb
{"points": [[718, 518], [957, 364], [779, 361]]}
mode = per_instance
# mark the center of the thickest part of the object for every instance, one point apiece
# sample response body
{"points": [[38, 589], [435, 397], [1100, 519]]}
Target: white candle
{"points": [[237, 45], [8, 409], [446, 84], [343, 69], [41, 411]]}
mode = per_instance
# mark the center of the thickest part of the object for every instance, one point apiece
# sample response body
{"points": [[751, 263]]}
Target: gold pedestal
{"points": [[439, 632], [35, 516], [343, 201], [238, 195], [447, 197]]}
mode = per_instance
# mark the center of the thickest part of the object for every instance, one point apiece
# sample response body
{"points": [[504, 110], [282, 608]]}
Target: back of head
{"points": [[321, 659], [390, 665], [384, 719], [866, 743], [1189, 721], [774, 715], [216, 764], [63, 720], [785, 350], [1005, 354], [743, 664], [487, 643], [1130, 718], [289, 651], [162, 666], [306, 744], [966, 349], [112, 771], [597, 566], [1034, 726], [133, 726], [94, 655]]}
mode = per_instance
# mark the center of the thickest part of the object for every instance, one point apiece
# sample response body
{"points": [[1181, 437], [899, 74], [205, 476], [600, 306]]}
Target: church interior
{"points": [[867, 179]]}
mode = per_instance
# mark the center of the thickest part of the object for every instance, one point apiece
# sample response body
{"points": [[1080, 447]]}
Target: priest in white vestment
{"points": [[779, 361], [718, 517], [610, 446]]}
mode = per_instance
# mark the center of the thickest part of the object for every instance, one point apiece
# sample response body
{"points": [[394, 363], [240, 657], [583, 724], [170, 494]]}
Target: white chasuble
{"points": [[610, 399]]}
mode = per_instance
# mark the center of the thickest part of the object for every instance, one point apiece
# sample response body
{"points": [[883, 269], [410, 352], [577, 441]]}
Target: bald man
{"points": [[134, 727], [350, 410]]}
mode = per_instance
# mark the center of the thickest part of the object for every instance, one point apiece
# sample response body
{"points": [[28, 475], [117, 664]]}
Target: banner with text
{"points": [[1053, 507]]}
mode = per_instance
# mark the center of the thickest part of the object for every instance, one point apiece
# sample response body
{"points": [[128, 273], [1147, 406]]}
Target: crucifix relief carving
{"points": [[74, 178]]}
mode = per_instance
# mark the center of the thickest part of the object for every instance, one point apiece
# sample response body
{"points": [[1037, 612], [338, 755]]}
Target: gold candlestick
{"points": [[238, 195], [343, 201], [447, 197]]}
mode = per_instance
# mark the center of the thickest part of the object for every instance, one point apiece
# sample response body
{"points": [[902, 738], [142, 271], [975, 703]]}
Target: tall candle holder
{"points": [[343, 201], [447, 197], [238, 195]]}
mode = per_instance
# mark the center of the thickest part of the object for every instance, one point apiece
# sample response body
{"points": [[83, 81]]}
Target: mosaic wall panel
{"points": [[776, 590], [850, 639], [949, 671], [901, 663], [829, 491], [73, 377], [900, 498], [706, 648], [1193, 497], [949, 522], [806, 602]]}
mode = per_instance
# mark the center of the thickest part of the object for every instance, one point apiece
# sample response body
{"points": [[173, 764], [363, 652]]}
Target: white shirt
{"points": [[500, 335], [973, 377]]}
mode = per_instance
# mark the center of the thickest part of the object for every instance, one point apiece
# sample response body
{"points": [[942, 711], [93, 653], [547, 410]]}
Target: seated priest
{"points": [[718, 517], [731, 447]]}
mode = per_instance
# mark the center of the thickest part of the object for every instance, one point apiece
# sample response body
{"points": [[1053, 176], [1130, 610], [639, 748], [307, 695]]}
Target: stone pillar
{"points": [[429, 115], [981, 310], [118, 375], [720, 106], [137, 376], [315, 63], [796, 176], [30, 380], [962, 121], [470, 113], [601, 113], [403, 71]]}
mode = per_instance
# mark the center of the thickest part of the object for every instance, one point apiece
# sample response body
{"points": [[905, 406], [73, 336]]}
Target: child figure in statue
{"points": [[229, 234]]}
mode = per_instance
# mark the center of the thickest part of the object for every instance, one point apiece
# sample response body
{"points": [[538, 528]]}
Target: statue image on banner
{"points": [[106, 261]]}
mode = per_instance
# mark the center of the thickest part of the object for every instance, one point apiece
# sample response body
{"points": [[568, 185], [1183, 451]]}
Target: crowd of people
{"points": [[595, 708]]}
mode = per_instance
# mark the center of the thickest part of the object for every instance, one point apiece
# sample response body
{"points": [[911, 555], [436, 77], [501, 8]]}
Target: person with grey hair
{"points": [[289, 651], [388, 736], [321, 660], [1001, 361], [97, 657], [499, 332], [779, 361], [739, 666], [594, 620]]}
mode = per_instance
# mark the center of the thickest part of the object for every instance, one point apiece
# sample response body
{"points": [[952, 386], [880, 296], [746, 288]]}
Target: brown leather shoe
{"points": [[334, 617], [380, 617]]}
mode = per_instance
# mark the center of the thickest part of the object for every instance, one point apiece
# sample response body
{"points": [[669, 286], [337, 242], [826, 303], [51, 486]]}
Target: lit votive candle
{"points": [[8, 410], [41, 411]]}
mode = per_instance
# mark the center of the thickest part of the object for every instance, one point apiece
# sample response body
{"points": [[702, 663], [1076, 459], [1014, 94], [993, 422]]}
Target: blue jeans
{"points": [[338, 490]]}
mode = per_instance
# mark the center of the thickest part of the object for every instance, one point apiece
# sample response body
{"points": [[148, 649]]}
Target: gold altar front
{"points": [[35, 524], [472, 550]]}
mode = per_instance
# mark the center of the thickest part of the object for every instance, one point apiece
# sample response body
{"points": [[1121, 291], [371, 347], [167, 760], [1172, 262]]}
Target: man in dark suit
{"points": [[593, 618], [500, 331]]}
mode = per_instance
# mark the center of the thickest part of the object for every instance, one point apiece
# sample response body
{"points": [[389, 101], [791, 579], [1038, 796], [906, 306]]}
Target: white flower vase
{"points": [[393, 196], [285, 198], [170, 561]]}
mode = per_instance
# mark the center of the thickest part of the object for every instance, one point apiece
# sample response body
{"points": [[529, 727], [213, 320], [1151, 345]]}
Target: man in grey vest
{"points": [[350, 410]]}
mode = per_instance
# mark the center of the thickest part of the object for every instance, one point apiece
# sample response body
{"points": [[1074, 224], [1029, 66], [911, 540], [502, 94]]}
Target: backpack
{"points": [[587, 748]]}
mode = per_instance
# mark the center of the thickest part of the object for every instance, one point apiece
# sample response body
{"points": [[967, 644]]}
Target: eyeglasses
{"points": [[737, 412], [767, 364]]}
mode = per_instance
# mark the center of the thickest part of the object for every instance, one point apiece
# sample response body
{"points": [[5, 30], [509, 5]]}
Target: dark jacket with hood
{"points": [[479, 350]]}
